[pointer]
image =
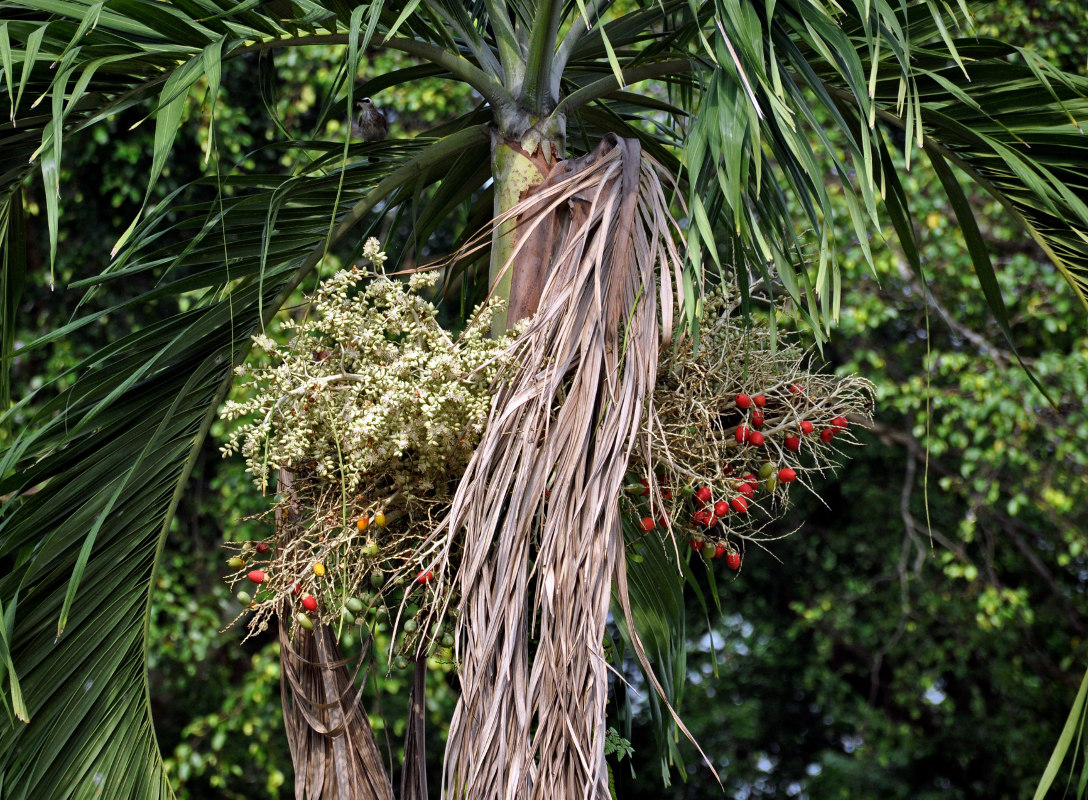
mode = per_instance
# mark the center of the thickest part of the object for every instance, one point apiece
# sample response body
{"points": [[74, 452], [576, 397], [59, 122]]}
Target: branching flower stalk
{"points": [[373, 409]]}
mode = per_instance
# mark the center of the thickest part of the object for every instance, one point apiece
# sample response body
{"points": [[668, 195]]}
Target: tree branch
{"points": [[1011, 527], [1001, 358], [510, 53], [578, 28], [541, 54], [605, 86], [483, 53]]}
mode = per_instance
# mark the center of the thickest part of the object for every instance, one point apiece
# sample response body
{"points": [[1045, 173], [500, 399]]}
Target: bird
{"points": [[370, 124]]}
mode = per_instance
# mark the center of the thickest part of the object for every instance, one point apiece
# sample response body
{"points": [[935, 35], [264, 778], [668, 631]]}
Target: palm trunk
{"points": [[519, 166]]}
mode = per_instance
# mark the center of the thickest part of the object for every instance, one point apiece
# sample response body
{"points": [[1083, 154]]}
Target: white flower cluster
{"points": [[369, 389]]}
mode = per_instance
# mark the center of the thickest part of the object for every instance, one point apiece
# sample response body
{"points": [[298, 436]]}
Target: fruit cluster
{"points": [[371, 593], [737, 421]]}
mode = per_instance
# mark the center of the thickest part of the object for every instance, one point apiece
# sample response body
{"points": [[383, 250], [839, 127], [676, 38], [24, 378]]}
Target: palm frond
{"points": [[655, 613], [12, 280], [94, 479], [796, 88], [563, 424]]}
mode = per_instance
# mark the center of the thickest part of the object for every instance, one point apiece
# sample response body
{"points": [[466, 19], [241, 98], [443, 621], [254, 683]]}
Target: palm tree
{"points": [[748, 99]]}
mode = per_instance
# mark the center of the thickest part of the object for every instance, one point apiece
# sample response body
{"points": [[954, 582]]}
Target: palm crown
{"points": [[752, 99]]}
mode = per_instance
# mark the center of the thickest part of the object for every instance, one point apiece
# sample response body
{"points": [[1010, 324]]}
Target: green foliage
{"points": [[923, 633], [616, 745], [232, 744], [1056, 29]]}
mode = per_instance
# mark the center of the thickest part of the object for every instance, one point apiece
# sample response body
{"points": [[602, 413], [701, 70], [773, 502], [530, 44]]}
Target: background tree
{"points": [[105, 489]]}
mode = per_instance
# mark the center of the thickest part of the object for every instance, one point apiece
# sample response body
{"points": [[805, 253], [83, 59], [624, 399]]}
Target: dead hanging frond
{"points": [[332, 744], [413, 777], [538, 504]]}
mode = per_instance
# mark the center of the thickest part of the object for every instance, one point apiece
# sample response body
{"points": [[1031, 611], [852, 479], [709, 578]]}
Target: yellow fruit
{"points": [[379, 519], [319, 569], [362, 523], [235, 563]]}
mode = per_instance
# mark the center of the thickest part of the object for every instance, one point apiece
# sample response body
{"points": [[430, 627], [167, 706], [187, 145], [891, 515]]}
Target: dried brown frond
{"points": [[332, 744], [413, 781], [538, 506]]}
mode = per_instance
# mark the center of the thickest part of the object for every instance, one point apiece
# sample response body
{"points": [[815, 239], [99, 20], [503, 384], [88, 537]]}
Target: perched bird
{"points": [[370, 125]]}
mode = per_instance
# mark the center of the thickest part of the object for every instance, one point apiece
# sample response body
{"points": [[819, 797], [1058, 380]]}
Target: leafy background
{"points": [[921, 635]]}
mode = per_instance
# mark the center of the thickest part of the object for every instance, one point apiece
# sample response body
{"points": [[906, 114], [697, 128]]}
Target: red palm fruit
{"points": [[759, 400], [256, 576], [696, 543], [740, 505], [741, 435], [719, 550], [827, 434], [296, 588], [757, 418], [743, 400], [752, 479], [755, 438], [721, 508], [795, 388], [705, 518], [727, 470], [262, 547], [426, 576], [733, 560], [646, 524], [787, 475], [793, 443], [309, 602], [704, 494], [839, 422], [807, 427], [645, 487], [747, 489]]}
